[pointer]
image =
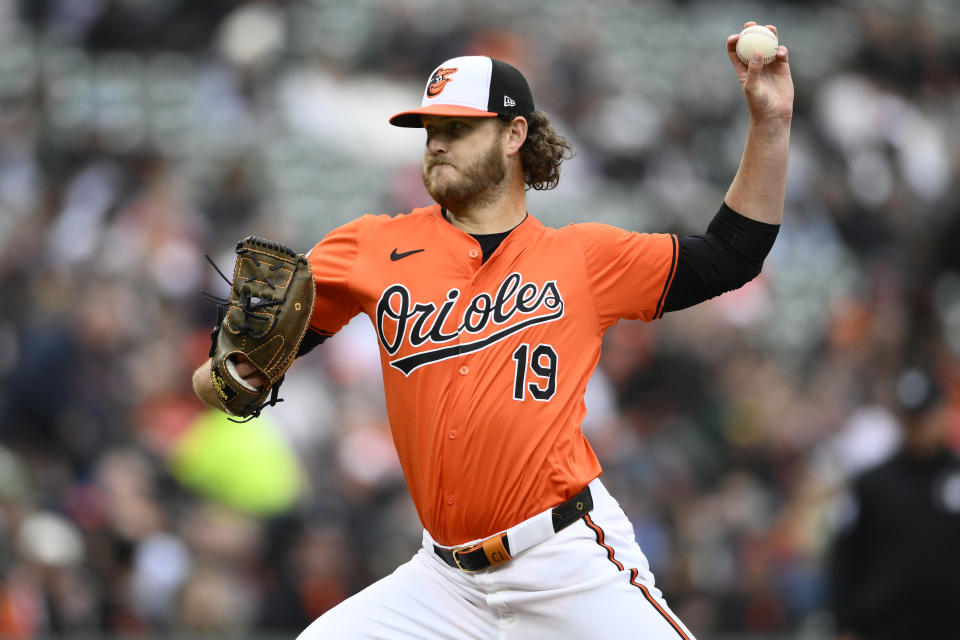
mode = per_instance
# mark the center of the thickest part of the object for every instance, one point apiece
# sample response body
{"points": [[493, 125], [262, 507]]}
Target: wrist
{"points": [[771, 124]]}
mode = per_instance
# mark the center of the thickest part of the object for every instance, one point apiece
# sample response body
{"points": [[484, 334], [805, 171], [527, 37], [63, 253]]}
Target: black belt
{"points": [[496, 549]]}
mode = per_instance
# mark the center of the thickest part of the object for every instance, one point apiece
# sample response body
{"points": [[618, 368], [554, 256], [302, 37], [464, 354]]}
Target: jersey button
{"points": [[474, 253], [450, 499], [453, 435], [464, 370]]}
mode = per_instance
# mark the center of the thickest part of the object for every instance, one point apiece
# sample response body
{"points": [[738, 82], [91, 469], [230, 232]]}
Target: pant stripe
{"points": [[633, 578]]}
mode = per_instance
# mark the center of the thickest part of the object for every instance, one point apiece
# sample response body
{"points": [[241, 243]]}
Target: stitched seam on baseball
{"points": [[756, 30], [762, 31]]}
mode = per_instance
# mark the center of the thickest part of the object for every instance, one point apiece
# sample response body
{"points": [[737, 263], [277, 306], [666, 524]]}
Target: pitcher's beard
{"points": [[479, 184]]}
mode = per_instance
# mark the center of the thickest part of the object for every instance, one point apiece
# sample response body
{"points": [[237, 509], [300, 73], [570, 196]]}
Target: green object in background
{"points": [[246, 466]]}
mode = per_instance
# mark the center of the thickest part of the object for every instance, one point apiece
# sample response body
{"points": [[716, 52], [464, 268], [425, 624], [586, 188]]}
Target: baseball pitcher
{"points": [[489, 326]]}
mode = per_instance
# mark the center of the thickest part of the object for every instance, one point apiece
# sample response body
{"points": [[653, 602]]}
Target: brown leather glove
{"points": [[262, 321]]}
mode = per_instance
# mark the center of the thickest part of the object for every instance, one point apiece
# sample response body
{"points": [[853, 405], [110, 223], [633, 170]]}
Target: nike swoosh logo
{"points": [[398, 256]]}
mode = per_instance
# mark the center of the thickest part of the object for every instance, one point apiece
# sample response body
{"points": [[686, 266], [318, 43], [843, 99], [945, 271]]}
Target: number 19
{"points": [[543, 363]]}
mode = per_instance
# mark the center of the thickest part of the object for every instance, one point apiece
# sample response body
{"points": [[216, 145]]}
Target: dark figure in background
{"points": [[895, 566]]}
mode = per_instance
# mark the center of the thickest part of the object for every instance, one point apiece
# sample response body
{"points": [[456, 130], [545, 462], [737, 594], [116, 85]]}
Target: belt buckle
{"points": [[456, 559]]}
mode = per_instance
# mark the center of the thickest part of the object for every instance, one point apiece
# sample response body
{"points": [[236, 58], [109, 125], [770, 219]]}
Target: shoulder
{"points": [[587, 228], [587, 232], [596, 237], [601, 231], [393, 221], [419, 215]]}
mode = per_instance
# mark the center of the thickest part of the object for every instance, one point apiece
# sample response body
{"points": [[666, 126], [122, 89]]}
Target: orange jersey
{"points": [[485, 365]]}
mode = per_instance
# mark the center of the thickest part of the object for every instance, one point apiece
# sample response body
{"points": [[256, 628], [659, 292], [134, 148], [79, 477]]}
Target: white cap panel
{"points": [[463, 81]]}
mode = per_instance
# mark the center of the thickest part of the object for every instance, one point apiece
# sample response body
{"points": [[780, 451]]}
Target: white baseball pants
{"points": [[589, 581]]}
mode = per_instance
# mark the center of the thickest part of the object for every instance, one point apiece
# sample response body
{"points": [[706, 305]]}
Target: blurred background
{"points": [[138, 135]]}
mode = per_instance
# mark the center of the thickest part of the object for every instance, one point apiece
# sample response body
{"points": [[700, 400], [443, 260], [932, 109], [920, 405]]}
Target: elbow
{"points": [[743, 274]]}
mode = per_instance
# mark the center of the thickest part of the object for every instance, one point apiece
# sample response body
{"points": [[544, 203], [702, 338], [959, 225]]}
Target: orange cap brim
{"points": [[412, 118]]}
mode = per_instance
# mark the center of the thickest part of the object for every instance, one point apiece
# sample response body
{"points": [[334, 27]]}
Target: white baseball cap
{"points": [[475, 86]]}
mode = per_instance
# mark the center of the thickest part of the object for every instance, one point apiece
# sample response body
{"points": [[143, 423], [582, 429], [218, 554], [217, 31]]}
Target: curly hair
{"points": [[542, 152]]}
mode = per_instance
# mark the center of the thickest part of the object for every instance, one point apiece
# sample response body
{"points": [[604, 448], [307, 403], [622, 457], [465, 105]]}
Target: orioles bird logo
{"points": [[439, 80]]}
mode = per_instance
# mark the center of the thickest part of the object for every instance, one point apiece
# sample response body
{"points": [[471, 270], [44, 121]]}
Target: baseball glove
{"points": [[263, 321]]}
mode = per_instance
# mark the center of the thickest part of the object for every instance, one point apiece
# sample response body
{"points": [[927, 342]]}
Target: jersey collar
{"points": [[528, 224]]}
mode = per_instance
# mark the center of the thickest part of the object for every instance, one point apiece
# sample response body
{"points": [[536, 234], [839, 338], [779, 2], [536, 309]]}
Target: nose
{"points": [[437, 143]]}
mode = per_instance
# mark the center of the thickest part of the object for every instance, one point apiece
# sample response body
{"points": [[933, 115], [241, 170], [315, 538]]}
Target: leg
{"points": [[415, 601]]}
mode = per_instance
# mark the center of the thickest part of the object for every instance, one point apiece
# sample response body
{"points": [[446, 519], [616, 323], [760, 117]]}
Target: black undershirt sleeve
{"points": [[310, 340], [729, 255]]}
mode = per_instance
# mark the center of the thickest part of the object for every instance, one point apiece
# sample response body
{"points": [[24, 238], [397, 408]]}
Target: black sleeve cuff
{"points": [[311, 339], [750, 238]]}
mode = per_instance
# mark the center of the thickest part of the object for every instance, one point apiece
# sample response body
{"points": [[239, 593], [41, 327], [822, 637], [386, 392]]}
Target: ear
{"points": [[515, 134]]}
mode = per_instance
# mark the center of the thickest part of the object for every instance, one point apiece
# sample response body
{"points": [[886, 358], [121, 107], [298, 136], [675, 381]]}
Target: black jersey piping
{"points": [[666, 285], [598, 532]]}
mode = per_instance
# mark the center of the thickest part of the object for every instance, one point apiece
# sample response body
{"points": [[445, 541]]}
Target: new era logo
{"points": [[509, 102]]}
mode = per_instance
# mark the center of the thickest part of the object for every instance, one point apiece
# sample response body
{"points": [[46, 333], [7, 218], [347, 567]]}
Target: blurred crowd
{"points": [[138, 135]]}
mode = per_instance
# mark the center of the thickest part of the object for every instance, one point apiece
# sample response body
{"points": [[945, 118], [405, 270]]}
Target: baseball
{"points": [[757, 38]]}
